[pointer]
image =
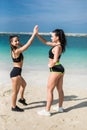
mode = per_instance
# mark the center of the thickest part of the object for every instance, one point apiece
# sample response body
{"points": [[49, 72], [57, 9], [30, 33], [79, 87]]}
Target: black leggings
{"points": [[15, 72]]}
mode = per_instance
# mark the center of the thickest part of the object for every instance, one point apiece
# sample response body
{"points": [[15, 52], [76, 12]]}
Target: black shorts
{"points": [[57, 68], [15, 72]]}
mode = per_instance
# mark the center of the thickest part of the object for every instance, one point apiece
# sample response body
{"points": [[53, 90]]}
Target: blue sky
{"points": [[22, 15]]}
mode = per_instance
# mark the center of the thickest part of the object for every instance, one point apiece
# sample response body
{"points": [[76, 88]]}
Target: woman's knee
{"points": [[25, 84], [50, 88], [60, 90]]}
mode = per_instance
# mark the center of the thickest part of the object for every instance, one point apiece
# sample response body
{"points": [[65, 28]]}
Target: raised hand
{"points": [[35, 30]]}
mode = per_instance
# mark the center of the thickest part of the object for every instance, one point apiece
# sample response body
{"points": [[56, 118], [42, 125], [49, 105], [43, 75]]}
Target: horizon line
{"points": [[43, 33]]}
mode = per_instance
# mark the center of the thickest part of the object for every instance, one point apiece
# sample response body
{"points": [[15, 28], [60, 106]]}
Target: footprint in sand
{"points": [[7, 92]]}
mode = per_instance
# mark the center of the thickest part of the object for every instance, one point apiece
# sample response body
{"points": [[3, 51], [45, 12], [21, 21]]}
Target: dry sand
{"points": [[75, 107]]}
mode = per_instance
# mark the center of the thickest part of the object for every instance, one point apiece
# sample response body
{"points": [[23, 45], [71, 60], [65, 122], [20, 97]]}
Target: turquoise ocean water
{"points": [[36, 57]]}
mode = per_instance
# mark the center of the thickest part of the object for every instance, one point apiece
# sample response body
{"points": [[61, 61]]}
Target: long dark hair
{"points": [[10, 40], [62, 38]]}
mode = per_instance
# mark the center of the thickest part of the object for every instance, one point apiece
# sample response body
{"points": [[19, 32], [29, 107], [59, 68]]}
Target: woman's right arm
{"points": [[25, 47], [45, 41]]}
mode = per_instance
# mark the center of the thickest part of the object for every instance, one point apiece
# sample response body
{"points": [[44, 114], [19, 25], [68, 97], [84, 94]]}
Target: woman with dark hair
{"points": [[18, 82], [56, 70]]}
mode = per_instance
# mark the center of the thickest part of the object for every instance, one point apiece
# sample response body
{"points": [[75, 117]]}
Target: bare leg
{"points": [[15, 89], [60, 90], [22, 87], [50, 87], [52, 81]]}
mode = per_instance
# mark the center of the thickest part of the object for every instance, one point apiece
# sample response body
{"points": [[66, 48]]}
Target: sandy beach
{"points": [[75, 106], [54, 18]]}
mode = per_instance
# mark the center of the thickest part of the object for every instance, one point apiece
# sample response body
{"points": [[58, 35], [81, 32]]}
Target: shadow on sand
{"points": [[38, 104]]}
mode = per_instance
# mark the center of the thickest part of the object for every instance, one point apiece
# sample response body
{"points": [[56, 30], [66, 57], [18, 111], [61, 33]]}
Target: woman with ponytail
{"points": [[56, 70]]}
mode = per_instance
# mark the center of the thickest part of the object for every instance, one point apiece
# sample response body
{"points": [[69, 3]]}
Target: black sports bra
{"points": [[18, 59], [51, 55]]}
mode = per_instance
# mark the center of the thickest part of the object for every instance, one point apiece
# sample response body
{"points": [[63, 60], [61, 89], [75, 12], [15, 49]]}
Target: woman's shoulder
{"points": [[17, 51], [57, 46]]}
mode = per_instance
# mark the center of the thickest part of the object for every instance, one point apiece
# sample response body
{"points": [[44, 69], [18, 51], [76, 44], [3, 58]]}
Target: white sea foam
{"points": [[44, 33]]}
